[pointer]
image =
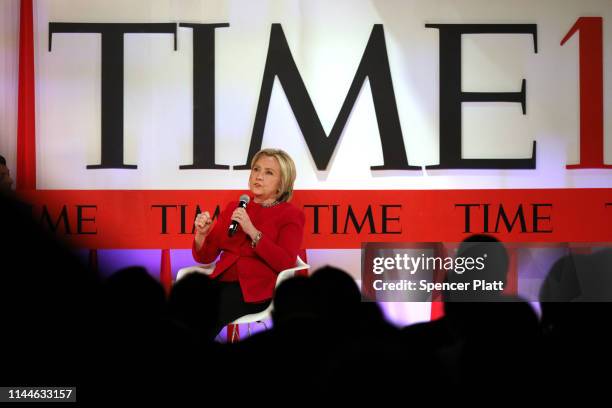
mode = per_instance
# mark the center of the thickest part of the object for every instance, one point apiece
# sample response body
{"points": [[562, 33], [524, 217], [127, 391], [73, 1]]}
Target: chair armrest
{"points": [[290, 273], [205, 269]]}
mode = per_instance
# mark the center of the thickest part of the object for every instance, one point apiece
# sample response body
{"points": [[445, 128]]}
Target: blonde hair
{"points": [[287, 170]]}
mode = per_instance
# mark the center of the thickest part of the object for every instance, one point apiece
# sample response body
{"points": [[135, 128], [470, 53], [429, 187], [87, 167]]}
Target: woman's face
{"points": [[265, 178]]}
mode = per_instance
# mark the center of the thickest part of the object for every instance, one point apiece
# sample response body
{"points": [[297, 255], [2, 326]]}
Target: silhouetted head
{"points": [[40, 272], [6, 182], [488, 260], [194, 303], [48, 300], [338, 296], [492, 250], [560, 287], [575, 296], [294, 300], [561, 283], [596, 284], [133, 297]]}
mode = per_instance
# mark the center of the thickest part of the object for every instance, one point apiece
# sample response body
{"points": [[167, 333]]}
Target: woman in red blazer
{"points": [[267, 242]]}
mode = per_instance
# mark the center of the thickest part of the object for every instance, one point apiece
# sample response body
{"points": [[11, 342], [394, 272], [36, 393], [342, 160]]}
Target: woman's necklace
{"points": [[272, 204]]}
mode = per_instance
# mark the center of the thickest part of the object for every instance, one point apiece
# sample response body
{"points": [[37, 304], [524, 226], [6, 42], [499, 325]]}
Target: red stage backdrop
{"points": [[407, 123]]}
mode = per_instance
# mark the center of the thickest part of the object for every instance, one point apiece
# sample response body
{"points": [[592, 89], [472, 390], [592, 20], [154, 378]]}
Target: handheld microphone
{"points": [[244, 200]]}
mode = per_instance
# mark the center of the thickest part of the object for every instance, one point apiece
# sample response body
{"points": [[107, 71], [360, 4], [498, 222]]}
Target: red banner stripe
{"points": [[334, 218]]}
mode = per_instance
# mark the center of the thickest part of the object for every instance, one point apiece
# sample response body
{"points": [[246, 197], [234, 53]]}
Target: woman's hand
{"points": [[240, 215], [203, 223]]}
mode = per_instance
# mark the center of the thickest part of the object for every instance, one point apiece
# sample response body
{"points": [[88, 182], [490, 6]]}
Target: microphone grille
{"points": [[245, 198]]}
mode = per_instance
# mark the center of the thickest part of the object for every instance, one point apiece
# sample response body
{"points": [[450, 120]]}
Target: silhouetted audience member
{"points": [[361, 342], [492, 254], [288, 357], [482, 332], [122, 340], [48, 305], [133, 299], [561, 287], [338, 297], [132, 334], [197, 362], [193, 305], [575, 303], [599, 285], [6, 181]]}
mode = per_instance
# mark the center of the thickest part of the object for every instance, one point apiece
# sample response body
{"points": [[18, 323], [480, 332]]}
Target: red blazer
{"points": [[282, 228]]}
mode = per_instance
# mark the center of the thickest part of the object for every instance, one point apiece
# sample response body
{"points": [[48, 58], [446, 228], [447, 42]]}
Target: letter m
{"points": [[374, 66]]}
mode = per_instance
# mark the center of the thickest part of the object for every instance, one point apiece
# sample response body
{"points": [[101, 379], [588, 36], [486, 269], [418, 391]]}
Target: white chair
{"points": [[259, 317]]}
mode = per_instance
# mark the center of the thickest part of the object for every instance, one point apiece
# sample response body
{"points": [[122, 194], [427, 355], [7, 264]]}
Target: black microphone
{"points": [[244, 200]]}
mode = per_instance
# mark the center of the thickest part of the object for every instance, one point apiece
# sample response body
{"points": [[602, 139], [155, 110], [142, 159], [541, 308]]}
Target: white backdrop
{"points": [[327, 40], [9, 65]]}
